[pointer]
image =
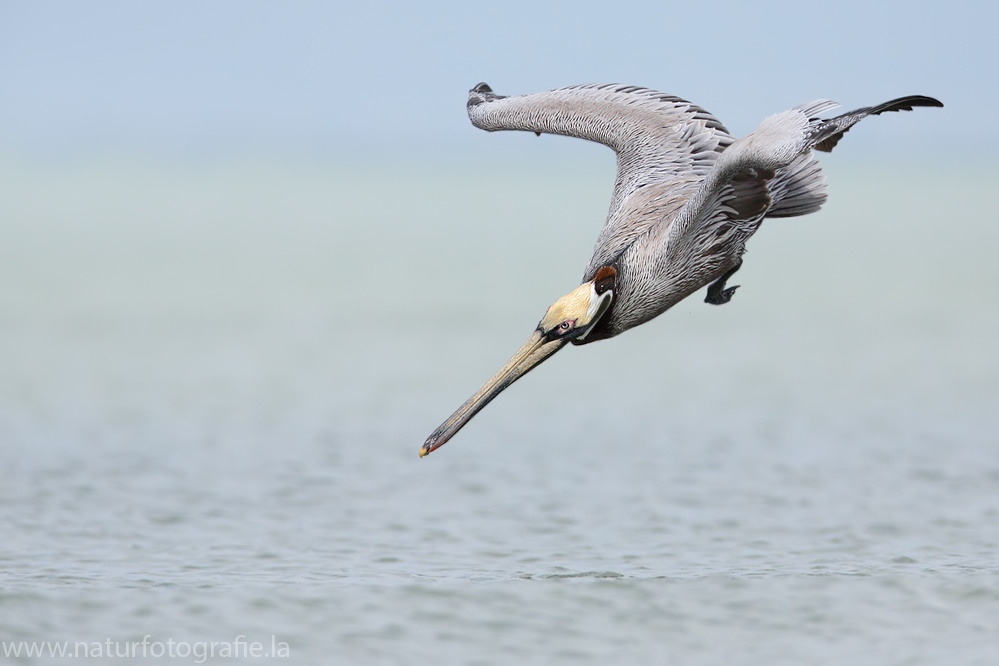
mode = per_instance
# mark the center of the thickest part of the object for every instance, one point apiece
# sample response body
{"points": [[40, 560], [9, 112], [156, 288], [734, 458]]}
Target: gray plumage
{"points": [[688, 195]]}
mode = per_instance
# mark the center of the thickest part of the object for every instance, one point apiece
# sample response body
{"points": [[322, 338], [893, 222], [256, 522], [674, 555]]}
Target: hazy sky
{"points": [[340, 78]]}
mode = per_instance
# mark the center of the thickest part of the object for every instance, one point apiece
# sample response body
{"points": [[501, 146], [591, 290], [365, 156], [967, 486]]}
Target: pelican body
{"points": [[686, 199]]}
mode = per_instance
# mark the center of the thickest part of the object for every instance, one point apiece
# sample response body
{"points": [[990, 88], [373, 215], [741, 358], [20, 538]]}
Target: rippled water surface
{"points": [[214, 383]]}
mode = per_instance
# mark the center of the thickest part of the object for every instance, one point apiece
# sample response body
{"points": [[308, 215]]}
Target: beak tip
{"points": [[534, 351]]}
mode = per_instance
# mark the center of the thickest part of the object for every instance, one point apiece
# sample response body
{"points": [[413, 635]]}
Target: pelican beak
{"points": [[537, 348], [570, 318]]}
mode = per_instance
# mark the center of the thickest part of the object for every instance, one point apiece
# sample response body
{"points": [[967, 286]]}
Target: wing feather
{"points": [[658, 138], [780, 145], [829, 132]]}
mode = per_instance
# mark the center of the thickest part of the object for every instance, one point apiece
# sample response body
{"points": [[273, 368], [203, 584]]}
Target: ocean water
{"points": [[215, 380]]}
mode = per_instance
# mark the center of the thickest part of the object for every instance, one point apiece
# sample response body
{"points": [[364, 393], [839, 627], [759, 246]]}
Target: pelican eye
{"points": [[566, 325]]}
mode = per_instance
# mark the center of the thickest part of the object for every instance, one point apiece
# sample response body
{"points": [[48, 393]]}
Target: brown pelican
{"points": [[687, 197]]}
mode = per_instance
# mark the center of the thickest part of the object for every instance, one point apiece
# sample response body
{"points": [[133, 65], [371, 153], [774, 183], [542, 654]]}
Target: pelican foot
{"points": [[717, 293], [719, 296]]}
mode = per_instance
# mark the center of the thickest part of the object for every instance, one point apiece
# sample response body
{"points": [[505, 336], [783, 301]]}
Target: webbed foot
{"points": [[717, 293]]}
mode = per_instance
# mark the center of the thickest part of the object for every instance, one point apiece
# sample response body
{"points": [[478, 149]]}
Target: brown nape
{"points": [[604, 279]]}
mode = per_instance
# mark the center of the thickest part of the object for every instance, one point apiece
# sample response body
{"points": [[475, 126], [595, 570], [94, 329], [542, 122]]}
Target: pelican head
{"points": [[569, 319]]}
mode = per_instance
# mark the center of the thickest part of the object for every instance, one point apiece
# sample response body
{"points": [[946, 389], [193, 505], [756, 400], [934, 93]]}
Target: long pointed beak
{"points": [[532, 353]]}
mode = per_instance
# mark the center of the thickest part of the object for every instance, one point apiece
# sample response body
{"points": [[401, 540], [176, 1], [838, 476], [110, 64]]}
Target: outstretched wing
{"points": [[658, 138], [781, 142]]}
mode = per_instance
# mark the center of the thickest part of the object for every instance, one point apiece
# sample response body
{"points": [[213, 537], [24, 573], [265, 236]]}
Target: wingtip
{"points": [[923, 100], [481, 93], [906, 104]]}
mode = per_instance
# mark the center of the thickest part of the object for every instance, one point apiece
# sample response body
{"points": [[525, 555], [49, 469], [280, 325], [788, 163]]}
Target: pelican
{"points": [[687, 197]]}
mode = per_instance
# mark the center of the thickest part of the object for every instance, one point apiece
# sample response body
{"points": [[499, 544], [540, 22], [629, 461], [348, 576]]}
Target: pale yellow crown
{"points": [[574, 305]]}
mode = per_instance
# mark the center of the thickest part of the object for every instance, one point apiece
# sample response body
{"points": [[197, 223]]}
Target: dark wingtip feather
{"points": [[905, 104], [832, 131], [826, 145], [481, 93]]}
